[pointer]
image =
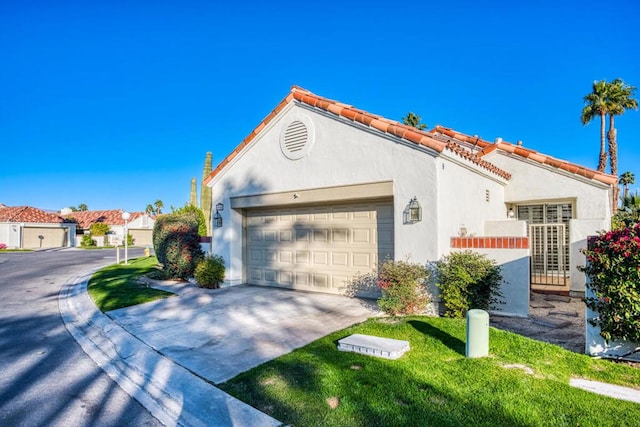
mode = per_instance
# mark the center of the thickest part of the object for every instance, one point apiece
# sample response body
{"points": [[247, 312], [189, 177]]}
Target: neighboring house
{"points": [[320, 192], [140, 225], [26, 227]]}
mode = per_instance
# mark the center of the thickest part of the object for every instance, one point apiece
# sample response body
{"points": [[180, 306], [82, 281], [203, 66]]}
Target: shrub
{"points": [[403, 287], [468, 280], [99, 229], [190, 209], [87, 241], [210, 272], [613, 269], [3, 246], [177, 244], [130, 240]]}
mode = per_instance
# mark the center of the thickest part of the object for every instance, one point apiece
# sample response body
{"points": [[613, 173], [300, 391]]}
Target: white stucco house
{"points": [[26, 227], [140, 225], [320, 192]]}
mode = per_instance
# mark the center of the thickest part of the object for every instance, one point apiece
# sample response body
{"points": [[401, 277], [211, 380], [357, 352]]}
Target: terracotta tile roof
{"points": [[109, 217], [486, 147], [392, 127], [28, 214]]}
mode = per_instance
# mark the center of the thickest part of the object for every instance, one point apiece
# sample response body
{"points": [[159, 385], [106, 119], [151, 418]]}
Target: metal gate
{"points": [[549, 254]]}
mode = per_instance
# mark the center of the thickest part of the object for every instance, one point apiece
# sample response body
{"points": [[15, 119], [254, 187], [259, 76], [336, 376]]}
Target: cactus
{"points": [[205, 193], [194, 195]]}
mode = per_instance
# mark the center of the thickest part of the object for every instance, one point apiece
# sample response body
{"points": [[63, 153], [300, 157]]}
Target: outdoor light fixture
{"points": [[413, 212], [511, 213], [217, 218], [126, 216]]}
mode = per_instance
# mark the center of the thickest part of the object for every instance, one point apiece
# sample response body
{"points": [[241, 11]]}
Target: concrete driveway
{"points": [[219, 333]]}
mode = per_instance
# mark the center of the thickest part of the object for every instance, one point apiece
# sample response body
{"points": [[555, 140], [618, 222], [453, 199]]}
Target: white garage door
{"points": [[142, 237], [317, 248], [42, 237]]}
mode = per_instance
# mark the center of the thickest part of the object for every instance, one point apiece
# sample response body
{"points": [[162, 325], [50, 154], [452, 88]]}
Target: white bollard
{"points": [[117, 254]]}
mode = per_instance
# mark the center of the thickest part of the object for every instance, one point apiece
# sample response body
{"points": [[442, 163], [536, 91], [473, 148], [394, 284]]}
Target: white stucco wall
{"points": [[10, 234], [595, 345], [342, 154], [533, 182], [509, 227], [579, 231], [462, 201]]}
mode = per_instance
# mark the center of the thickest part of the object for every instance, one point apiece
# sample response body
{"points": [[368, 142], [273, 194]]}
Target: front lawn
{"points": [[523, 383], [116, 286]]}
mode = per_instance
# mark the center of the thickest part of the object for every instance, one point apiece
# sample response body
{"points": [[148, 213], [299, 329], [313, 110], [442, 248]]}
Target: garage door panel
{"points": [[340, 236], [270, 276], [362, 260], [286, 236], [286, 256], [317, 248], [302, 257], [321, 258]]}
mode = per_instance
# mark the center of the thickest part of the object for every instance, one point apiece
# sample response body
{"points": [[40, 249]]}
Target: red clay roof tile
{"points": [[488, 147], [28, 214]]}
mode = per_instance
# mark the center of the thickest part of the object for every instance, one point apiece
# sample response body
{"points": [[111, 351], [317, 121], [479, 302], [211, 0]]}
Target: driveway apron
{"points": [[220, 333]]}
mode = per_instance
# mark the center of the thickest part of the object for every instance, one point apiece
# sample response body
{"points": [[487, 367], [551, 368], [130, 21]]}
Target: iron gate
{"points": [[549, 254]]}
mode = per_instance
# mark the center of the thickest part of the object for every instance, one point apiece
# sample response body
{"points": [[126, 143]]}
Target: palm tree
{"points": [[158, 205], [619, 99], [627, 179], [596, 106], [414, 120]]}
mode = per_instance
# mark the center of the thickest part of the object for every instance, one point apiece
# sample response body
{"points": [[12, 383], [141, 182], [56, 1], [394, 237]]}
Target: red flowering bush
{"points": [[403, 287], [613, 269], [3, 246], [177, 244]]}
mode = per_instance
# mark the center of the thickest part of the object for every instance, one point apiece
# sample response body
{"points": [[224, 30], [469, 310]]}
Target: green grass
{"points": [[116, 287], [434, 384], [16, 250]]}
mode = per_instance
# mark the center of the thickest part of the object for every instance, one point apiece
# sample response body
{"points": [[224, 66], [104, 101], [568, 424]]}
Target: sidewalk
{"points": [[172, 394]]}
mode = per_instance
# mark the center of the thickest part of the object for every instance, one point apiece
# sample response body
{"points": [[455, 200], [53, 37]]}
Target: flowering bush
{"points": [[468, 280], [403, 287], [3, 246], [613, 269], [177, 244]]}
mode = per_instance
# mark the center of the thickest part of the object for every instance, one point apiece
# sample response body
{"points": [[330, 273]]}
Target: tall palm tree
{"points": [[596, 105], [619, 99], [627, 179], [158, 205]]}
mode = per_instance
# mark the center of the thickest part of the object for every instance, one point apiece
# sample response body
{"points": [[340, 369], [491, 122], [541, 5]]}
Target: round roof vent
{"points": [[296, 139]]}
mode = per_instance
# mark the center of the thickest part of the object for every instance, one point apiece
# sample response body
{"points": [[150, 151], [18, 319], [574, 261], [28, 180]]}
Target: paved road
{"points": [[45, 377]]}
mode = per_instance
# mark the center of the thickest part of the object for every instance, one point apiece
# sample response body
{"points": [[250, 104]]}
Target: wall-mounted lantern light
{"points": [[413, 212], [217, 218], [511, 214]]}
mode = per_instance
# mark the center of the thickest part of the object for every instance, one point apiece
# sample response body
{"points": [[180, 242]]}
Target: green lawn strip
{"points": [[434, 384], [116, 286]]}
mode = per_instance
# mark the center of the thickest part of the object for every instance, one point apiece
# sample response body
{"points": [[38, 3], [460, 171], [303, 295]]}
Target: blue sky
{"points": [[114, 104]]}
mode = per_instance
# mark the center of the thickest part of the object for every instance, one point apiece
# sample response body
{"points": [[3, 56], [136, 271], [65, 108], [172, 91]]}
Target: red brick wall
{"points": [[490, 242]]}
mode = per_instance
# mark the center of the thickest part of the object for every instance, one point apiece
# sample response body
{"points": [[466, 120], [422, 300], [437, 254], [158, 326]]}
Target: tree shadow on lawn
{"points": [[450, 341], [366, 391]]}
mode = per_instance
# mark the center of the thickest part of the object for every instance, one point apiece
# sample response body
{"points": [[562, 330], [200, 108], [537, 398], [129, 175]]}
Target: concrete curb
{"points": [[171, 393]]}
